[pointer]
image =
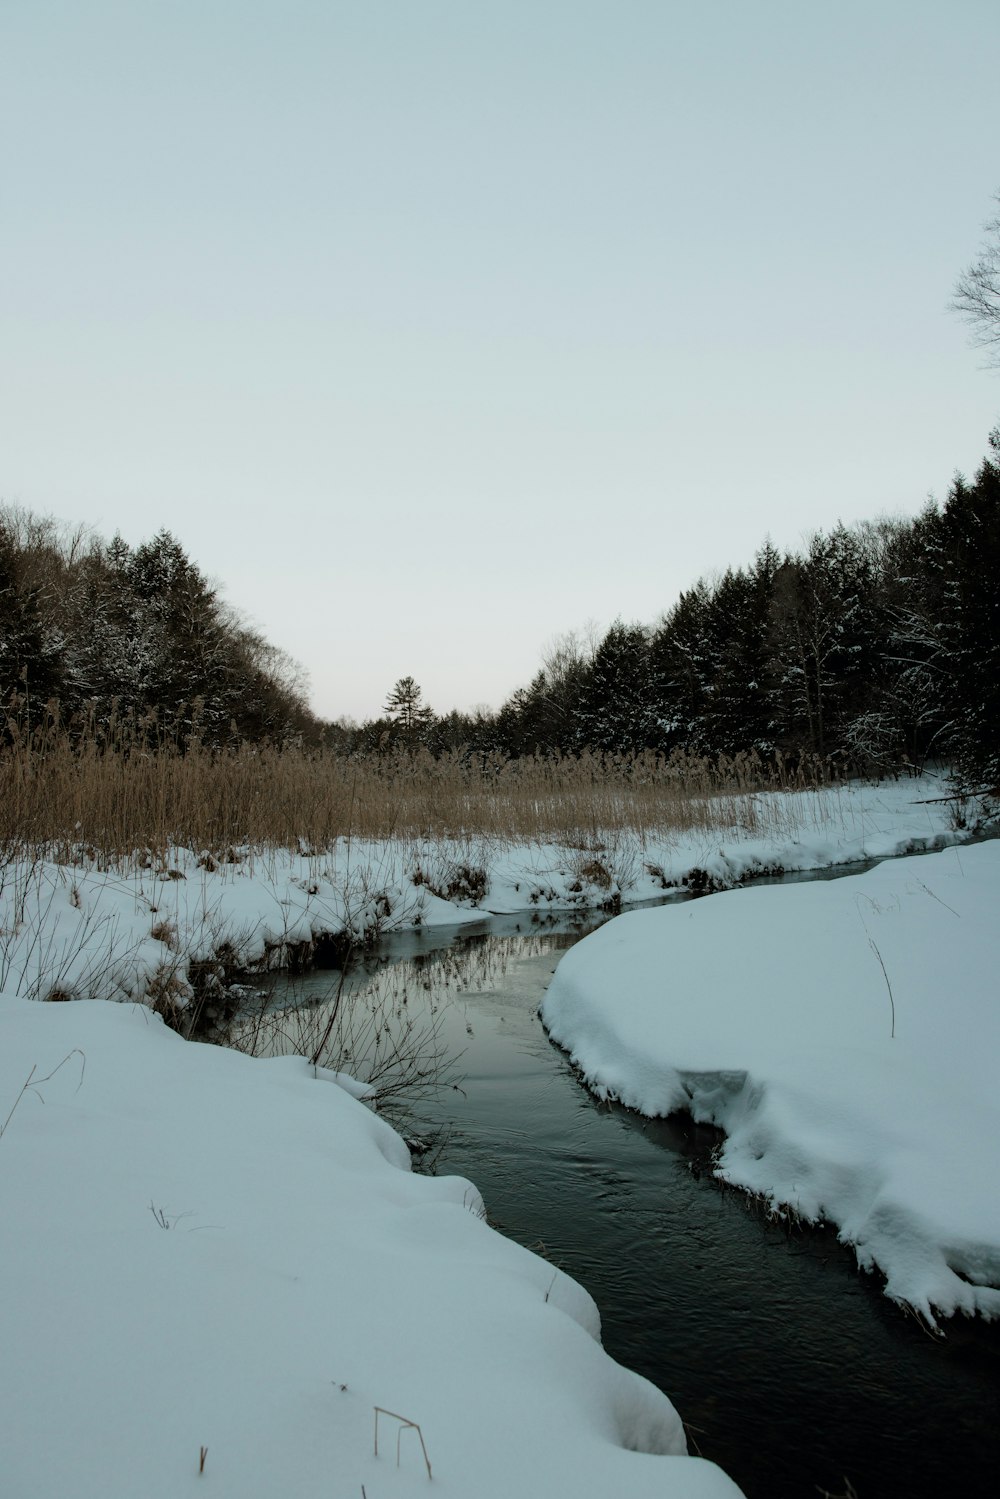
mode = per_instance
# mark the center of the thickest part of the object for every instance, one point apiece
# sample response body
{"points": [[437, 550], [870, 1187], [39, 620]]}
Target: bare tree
{"points": [[977, 292]]}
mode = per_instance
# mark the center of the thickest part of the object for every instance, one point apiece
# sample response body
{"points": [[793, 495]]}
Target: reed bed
{"points": [[60, 791]]}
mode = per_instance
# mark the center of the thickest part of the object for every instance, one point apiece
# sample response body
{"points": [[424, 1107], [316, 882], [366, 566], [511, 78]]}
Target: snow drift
{"points": [[844, 1034]]}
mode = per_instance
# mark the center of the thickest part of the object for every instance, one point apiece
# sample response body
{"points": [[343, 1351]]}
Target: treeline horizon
{"points": [[876, 647]]}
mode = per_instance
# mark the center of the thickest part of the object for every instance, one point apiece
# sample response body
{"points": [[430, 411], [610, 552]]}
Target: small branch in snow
{"points": [[938, 899], [32, 1083], [874, 947], [892, 1003], [957, 796]]}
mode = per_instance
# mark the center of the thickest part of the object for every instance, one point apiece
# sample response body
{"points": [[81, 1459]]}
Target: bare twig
{"points": [[938, 899], [334, 1011], [874, 947], [32, 1083], [892, 1003]]}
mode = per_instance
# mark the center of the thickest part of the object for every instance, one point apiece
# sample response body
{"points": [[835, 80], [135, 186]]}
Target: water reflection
{"points": [[399, 1019]]}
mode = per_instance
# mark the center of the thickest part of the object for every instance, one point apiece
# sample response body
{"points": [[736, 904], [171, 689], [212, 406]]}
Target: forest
{"points": [[877, 648], [874, 649], [120, 643]]}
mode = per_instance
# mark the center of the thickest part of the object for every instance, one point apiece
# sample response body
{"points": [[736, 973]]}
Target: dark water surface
{"points": [[788, 1368]]}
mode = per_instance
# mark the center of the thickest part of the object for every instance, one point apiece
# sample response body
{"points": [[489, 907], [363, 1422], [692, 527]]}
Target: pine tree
{"points": [[181, 639], [902, 717], [30, 668], [970, 533], [617, 708], [405, 708], [739, 712], [822, 640], [683, 661]]}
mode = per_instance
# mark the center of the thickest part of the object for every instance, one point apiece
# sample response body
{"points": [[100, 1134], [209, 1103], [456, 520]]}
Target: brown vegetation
{"points": [[121, 794]]}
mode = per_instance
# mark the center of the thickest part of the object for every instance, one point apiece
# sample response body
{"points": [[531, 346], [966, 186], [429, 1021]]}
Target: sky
{"points": [[434, 329]]}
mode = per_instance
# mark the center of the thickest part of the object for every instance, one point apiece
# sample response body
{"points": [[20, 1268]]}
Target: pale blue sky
{"points": [[433, 329]]}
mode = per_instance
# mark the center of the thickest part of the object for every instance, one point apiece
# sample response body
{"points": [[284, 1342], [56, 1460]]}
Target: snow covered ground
{"points": [[133, 931], [205, 1251], [844, 1034]]}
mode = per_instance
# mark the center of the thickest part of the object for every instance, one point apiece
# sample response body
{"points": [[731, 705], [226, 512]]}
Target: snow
{"points": [[846, 1037], [84, 930], [202, 1250], [205, 1251]]}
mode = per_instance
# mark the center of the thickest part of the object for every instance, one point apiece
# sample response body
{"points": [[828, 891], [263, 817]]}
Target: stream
{"points": [[789, 1368]]}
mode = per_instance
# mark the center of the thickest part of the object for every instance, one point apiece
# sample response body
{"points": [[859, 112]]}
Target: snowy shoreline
{"points": [[207, 1251], [845, 1035], [180, 926]]}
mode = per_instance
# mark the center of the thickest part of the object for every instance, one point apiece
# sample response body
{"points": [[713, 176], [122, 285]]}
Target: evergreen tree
{"points": [[683, 660], [522, 725], [903, 715], [739, 711], [617, 707], [545, 715], [822, 640], [180, 637], [970, 535], [405, 708], [30, 669]]}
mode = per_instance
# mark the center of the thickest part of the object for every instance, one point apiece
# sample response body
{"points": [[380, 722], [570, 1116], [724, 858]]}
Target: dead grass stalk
{"points": [[113, 794]]}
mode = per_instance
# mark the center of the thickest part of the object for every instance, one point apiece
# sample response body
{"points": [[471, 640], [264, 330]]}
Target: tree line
{"points": [[877, 645], [132, 644]]}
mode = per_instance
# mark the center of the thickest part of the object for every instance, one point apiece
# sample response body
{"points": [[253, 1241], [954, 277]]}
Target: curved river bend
{"points": [[789, 1368]]}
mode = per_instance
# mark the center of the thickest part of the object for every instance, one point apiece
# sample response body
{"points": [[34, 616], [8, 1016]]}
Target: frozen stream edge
{"points": [[767, 1013]]}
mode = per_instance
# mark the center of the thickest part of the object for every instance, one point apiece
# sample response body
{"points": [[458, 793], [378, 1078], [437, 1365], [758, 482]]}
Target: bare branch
{"points": [[977, 293]]}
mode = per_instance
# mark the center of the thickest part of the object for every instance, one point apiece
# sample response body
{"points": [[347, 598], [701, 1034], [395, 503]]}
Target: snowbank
{"points": [[142, 929], [205, 1251], [844, 1034]]}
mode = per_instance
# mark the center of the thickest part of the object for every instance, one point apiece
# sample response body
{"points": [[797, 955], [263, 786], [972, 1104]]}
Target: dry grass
{"points": [[119, 796]]}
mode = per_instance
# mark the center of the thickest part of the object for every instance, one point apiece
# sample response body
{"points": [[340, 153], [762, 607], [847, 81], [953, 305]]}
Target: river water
{"points": [[788, 1367]]}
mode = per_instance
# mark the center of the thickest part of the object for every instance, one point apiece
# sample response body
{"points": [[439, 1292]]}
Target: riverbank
{"points": [[822, 1378], [844, 1034], [220, 1271], [178, 926]]}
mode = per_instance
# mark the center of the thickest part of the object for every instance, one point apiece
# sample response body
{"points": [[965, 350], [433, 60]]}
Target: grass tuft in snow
{"points": [[404, 1425]]}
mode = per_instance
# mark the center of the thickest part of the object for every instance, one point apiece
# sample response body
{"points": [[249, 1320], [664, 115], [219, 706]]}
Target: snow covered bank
{"points": [[161, 928], [202, 1251], [844, 1034]]}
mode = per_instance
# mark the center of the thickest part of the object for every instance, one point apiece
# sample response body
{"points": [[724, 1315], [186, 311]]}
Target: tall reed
{"points": [[123, 789]]}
